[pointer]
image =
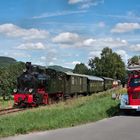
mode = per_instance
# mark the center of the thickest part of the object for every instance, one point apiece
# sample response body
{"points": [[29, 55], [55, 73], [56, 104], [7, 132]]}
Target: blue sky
{"points": [[67, 32]]}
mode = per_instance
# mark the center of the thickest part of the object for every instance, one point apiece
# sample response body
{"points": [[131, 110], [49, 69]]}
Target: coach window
{"points": [[72, 81], [80, 81], [102, 83], [76, 80]]}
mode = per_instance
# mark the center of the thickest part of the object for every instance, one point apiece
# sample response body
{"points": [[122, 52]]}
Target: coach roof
{"points": [[75, 74], [95, 78], [107, 78]]}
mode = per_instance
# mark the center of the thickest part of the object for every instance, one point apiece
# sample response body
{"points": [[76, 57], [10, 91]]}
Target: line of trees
{"points": [[110, 64]]}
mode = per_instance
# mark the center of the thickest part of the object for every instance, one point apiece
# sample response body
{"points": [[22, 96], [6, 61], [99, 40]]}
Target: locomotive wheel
{"points": [[22, 105], [38, 99], [15, 106]]}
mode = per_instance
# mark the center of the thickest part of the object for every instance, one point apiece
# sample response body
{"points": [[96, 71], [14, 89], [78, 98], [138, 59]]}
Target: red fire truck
{"points": [[131, 100]]}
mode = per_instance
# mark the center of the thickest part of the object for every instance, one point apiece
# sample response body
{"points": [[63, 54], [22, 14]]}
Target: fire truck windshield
{"points": [[134, 82]]}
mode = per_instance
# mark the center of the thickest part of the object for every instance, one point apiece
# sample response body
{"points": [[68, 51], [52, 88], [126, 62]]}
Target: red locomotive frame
{"points": [[29, 99]]}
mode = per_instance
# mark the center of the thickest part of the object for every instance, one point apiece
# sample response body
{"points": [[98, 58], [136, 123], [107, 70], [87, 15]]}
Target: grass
{"points": [[5, 104], [64, 114]]}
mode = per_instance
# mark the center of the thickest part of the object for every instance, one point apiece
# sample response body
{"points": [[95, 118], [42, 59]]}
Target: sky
{"points": [[67, 32]]}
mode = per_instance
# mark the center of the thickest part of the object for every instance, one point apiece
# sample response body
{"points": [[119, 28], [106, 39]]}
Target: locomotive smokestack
{"points": [[28, 66]]}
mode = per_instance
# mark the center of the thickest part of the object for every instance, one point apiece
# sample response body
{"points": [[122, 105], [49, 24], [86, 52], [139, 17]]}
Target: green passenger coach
{"points": [[75, 83], [108, 83], [69, 83], [95, 84]]}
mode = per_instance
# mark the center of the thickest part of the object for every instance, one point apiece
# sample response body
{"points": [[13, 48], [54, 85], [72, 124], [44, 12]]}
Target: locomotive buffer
{"points": [[131, 100]]}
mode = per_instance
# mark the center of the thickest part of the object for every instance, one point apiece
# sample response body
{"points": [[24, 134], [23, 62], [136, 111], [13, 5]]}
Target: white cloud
{"points": [[93, 54], [31, 46], [135, 47], [12, 30], [100, 43], [86, 3], [71, 64], [20, 55], [54, 58], [89, 42], [123, 55], [101, 24], [76, 62], [38, 62], [46, 59], [66, 37], [125, 27], [15, 54], [62, 13], [128, 17], [68, 40], [51, 63], [74, 1], [43, 58], [63, 46]]}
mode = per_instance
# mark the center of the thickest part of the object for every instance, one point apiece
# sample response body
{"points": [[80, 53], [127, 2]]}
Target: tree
{"points": [[135, 60], [96, 67], [109, 65], [8, 78], [81, 69]]}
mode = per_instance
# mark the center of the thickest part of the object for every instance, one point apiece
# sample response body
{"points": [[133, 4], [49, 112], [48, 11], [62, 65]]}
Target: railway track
{"points": [[10, 110]]}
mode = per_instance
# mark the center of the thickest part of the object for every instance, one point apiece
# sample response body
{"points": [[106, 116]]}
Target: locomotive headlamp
{"points": [[30, 90], [24, 70], [15, 90]]}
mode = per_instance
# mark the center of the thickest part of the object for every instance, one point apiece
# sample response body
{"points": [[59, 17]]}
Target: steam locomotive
{"points": [[31, 87], [37, 85]]}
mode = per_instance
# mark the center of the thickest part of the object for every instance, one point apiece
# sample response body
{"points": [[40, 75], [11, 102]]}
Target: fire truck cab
{"points": [[131, 100]]}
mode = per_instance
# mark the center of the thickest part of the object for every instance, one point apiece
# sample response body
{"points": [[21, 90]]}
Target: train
{"points": [[42, 86]]}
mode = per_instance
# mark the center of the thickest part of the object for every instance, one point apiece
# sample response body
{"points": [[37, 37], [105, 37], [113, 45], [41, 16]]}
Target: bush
{"points": [[8, 78]]}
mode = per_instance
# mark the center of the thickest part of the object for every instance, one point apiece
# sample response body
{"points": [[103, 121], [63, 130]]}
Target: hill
{"points": [[59, 68], [4, 61]]}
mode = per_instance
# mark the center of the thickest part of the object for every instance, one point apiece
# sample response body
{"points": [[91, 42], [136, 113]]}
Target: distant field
{"points": [[64, 114]]}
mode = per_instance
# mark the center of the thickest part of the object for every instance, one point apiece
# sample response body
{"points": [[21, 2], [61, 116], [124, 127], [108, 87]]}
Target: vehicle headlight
{"points": [[15, 90], [30, 90]]}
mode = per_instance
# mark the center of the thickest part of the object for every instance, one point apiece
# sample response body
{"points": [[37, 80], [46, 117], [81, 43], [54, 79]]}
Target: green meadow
{"points": [[72, 112]]}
